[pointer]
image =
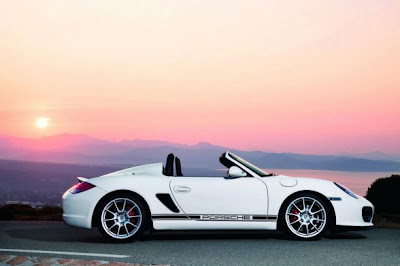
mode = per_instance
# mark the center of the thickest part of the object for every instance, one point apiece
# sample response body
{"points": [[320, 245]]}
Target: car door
{"points": [[219, 195]]}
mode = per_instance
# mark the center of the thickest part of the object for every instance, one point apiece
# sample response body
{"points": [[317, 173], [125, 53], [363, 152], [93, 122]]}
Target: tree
{"points": [[384, 193]]}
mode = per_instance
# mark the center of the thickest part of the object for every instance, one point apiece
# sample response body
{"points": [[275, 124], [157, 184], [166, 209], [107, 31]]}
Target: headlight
{"points": [[348, 192]]}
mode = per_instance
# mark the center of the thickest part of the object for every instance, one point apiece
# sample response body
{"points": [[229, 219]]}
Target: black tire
{"points": [[127, 231], [303, 223]]}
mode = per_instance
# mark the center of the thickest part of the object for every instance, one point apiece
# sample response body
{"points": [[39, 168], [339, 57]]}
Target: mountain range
{"points": [[82, 149]]}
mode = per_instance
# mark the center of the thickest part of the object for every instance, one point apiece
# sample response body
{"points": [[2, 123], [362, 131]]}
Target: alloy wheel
{"points": [[306, 217], [121, 218]]}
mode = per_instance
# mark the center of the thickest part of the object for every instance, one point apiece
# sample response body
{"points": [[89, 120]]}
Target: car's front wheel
{"points": [[305, 216], [122, 217]]}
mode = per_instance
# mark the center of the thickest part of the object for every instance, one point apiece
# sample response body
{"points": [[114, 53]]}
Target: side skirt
{"points": [[214, 222]]}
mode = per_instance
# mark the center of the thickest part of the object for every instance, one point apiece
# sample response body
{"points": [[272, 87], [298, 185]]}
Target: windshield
{"points": [[251, 166]]}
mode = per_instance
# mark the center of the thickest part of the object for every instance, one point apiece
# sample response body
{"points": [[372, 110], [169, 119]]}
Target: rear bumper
{"points": [[78, 208]]}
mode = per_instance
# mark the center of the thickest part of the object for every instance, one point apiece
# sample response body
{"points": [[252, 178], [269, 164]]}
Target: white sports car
{"points": [[128, 202]]}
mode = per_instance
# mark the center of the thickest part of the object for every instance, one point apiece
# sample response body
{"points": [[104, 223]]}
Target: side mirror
{"points": [[235, 172]]}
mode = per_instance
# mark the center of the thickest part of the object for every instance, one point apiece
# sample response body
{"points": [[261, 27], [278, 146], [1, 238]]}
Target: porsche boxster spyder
{"points": [[126, 203]]}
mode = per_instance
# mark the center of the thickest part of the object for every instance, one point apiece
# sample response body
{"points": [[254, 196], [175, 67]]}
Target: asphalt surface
{"points": [[374, 247]]}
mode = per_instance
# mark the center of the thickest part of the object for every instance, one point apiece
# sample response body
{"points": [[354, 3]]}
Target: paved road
{"points": [[374, 247]]}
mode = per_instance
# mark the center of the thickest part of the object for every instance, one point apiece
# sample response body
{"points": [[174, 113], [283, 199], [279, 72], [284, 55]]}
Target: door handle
{"points": [[182, 189]]}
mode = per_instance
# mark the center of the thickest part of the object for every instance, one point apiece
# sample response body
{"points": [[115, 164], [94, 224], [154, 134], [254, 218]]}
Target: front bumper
{"points": [[349, 212], [78, 208]]}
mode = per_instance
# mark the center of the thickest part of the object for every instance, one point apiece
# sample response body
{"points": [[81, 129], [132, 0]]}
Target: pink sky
{"points": [[310, 77]]}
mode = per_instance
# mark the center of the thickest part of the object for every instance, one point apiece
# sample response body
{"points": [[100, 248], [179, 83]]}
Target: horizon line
{"points": [[194, 144]]}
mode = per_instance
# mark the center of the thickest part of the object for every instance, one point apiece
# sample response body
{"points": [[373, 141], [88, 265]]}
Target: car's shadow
{"points": [[345, 235], [70, 234]]}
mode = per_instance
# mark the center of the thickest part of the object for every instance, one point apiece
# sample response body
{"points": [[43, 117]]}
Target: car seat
{"points": [[169, 165], [178, 167]]}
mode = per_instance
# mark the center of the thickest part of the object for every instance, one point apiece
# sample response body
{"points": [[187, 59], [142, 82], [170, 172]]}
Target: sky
{"points": [[318, 77]]}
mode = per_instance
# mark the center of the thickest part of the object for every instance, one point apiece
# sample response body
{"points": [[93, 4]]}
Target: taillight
{"points": [[81, 187]]}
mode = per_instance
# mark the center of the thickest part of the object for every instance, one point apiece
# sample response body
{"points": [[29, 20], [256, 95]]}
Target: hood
{"points": [[304, 180]]}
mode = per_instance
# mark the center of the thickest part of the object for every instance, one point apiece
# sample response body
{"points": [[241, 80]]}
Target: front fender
{"points": [[279, 192], [348, 210]]}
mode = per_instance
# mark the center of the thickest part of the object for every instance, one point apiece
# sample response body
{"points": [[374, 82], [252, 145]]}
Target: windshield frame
{"points": [[258, 171]]}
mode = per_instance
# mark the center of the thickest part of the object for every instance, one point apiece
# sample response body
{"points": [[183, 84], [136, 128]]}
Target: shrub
{"points": [[384, 193]]}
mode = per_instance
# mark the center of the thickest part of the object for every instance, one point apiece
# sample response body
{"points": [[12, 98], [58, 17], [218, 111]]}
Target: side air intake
{"points": [[167, 201]]}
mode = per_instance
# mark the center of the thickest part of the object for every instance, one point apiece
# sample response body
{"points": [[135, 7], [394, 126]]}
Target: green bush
{"points": [[384, 193]]}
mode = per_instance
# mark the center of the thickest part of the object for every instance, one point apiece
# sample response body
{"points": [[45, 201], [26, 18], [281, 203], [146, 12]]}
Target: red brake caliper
{"points": [[292, 217], [131, 213]]}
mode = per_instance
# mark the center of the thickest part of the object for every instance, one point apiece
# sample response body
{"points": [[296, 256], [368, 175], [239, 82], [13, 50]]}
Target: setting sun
{"points": [[42, 122]]}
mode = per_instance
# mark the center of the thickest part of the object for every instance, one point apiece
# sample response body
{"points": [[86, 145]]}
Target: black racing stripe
{"points": [[256, 218], [264, 217], [260, 217], [169, 217]]}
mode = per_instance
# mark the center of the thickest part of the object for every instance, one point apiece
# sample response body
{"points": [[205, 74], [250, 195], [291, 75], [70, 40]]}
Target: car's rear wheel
{"points": [[305, 216], [122, 217]]}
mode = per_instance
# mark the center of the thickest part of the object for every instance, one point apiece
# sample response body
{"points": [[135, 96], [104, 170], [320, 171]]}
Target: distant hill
{"points": [[82, 149], [141, 143], [375, 155]]}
